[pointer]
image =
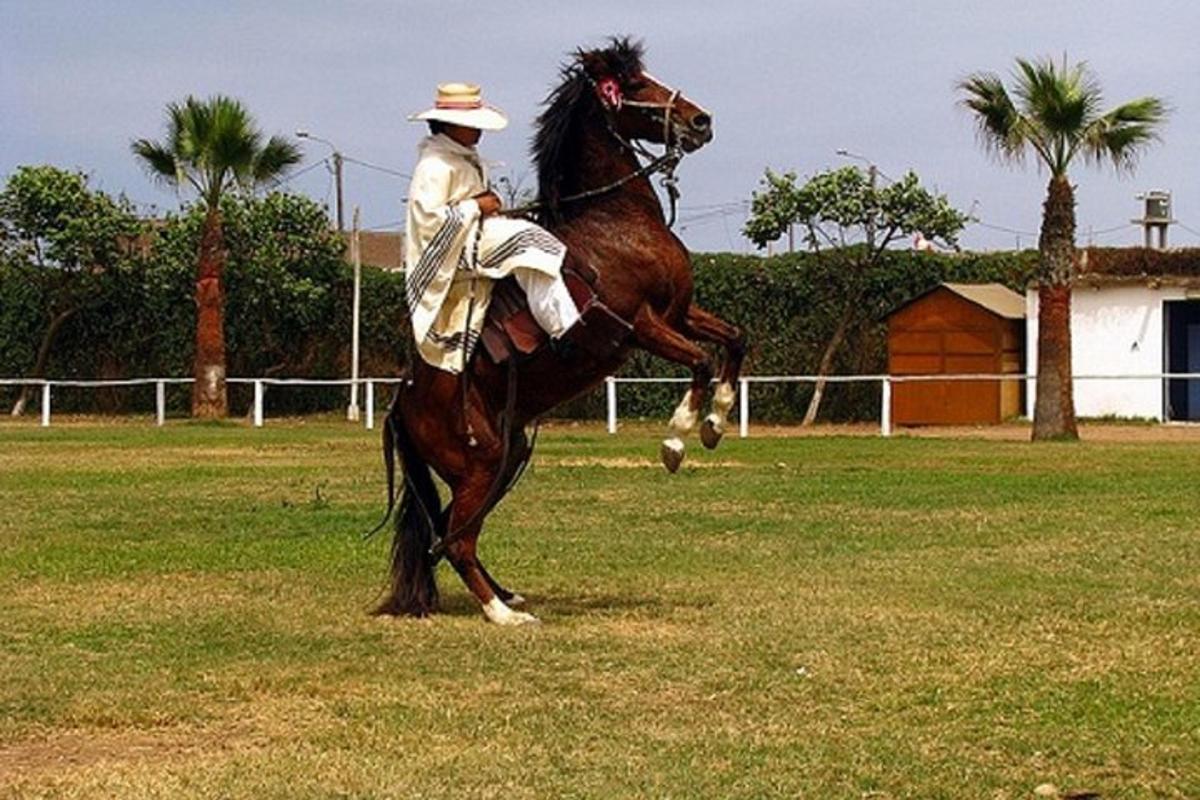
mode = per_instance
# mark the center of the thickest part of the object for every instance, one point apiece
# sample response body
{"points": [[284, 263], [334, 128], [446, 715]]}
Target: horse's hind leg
{"points": [[507, 596], [519, 453], [470, 505], [660, 339], [709, 327]]}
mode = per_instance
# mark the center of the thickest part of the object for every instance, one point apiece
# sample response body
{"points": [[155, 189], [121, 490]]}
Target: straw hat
{"points": [[462, 104]]}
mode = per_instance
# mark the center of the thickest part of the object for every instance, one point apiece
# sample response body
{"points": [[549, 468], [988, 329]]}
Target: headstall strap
{"points": [[613, 99]]}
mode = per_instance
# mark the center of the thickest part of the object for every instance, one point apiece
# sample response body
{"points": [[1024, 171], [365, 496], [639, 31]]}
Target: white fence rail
{"points": [[885, 381], [160, 391], [611, 395]]}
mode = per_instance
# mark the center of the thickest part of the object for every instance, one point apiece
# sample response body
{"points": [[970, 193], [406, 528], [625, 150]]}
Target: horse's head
{"points": [[640, 106]]}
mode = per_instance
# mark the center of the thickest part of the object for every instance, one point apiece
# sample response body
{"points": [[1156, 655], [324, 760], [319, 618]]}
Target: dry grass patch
{"points": [[828, 617]]}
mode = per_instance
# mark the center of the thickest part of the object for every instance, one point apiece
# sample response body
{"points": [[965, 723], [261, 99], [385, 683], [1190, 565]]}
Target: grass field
{"points": [[183, 613]]}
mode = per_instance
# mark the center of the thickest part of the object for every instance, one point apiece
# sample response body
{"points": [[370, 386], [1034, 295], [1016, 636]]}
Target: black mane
{"points": [[556, 142]]}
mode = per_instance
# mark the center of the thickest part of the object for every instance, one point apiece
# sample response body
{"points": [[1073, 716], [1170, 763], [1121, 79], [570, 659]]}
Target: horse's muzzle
{"points": [[696, 135]]}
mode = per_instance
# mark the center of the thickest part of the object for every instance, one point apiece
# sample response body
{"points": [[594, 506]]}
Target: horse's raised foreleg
{"points": [[706, 326], [658, 338]]}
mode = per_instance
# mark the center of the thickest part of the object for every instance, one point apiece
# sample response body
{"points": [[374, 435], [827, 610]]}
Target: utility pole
{"points": [[872, 179], [872, 172], [352, 413], [337, 174]]}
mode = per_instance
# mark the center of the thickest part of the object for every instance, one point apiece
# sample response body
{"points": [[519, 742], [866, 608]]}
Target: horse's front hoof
{"points": [[711, 432], [671, 454]]}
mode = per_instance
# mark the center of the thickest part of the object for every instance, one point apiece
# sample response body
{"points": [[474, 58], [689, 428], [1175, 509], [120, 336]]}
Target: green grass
{"points": [[183, 613]]}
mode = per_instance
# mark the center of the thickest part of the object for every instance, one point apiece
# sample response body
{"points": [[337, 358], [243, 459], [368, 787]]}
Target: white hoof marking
{"points": [[723, 399], [499, 613], [684, 418]]}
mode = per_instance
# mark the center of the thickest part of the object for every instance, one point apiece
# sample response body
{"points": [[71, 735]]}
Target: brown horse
{"points": [[460, 429]]}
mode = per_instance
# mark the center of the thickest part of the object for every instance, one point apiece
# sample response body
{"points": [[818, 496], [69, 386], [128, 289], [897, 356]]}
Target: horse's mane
{"points": [[556, 140]]}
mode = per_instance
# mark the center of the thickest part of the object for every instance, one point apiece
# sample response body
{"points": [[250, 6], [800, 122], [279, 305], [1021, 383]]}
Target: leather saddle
{"points": [[511, 332]]}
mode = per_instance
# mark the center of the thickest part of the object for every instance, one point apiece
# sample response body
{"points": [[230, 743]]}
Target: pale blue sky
{"points": [[788, 83]]}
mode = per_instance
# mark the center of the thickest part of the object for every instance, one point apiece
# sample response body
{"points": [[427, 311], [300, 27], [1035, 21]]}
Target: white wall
{"points": [[1115, 330]]}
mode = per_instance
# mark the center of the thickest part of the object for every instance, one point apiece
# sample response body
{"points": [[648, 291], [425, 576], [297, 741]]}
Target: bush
{"points": [[786, 305], [288, 311]]}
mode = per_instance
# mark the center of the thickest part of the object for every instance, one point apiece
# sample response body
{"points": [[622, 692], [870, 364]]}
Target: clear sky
{"points": [[788, 83]]}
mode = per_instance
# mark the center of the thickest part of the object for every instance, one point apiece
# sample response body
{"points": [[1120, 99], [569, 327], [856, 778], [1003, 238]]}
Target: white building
{"points": [[1129, 325]]}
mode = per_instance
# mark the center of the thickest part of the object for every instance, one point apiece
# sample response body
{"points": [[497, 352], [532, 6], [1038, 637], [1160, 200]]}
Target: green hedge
{"points": [[787, 306], [288, 311], [289, 306]]}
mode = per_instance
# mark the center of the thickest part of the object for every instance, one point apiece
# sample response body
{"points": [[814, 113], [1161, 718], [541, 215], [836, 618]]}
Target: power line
{"points": [[730, 205], [287, 179], [376, 167], [1188, 228], [386, 225], [1002, 228]]}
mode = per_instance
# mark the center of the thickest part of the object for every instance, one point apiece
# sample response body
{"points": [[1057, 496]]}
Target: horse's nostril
{"points": [[702, 122]]}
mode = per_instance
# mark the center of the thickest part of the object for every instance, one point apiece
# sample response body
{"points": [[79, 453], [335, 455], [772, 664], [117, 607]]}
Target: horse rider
{"points": [[456, 243]]}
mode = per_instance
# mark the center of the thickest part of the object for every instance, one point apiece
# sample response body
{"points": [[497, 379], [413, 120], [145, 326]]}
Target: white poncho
{"points": [[448, 244]]}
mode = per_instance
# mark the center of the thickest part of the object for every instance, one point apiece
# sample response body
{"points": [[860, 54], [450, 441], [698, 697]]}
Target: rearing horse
{"points": [[458, 428]]}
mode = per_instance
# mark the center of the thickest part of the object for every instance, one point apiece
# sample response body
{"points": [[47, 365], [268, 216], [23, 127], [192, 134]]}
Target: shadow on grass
{"points": [[460, 604]]}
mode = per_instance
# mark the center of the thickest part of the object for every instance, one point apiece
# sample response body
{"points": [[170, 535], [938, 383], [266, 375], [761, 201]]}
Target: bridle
{"points": [[612, 100]]}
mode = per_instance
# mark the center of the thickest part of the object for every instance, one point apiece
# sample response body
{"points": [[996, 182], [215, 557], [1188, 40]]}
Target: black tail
{"points": [[413, 591]]}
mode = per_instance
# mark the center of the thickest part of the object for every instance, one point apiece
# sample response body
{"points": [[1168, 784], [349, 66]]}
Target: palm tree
{"points": [[1056, 115], [213, 146]]}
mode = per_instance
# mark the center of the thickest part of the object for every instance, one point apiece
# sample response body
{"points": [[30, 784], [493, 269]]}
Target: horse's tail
{"points": [[413, 590]]}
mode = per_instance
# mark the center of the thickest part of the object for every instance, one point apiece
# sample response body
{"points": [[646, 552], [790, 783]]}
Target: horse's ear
{"points": [[609, 90], [603, 78]]}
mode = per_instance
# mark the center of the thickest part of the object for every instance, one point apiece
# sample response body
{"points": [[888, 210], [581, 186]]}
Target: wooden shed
{"points": [[956, 329]]}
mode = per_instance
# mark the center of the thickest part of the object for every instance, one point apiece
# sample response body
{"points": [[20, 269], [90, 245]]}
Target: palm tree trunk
{"points": [[1054, 411], [826, 364], [209, 397]]}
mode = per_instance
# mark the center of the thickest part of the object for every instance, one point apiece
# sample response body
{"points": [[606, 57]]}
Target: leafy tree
{"points": [[213, 147], [848, 222], [1055, 112], [70, 239]]}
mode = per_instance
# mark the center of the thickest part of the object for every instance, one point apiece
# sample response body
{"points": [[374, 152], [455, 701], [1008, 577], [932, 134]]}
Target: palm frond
{"points": [[1062, 101], [1001, 129], [230, 135], [274, 158], [213, 145], [158, 160], [1123, 133]]}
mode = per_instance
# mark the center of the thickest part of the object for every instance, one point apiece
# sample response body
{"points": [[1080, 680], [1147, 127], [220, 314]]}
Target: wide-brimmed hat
{"points": [[462, 104]]}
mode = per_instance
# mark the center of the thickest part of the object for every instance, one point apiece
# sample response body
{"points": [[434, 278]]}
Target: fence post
{"points": [[160, 403], [370, 399], [744, 408], [885, 413], [258, 404], [46, 404], [610, 393]]}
